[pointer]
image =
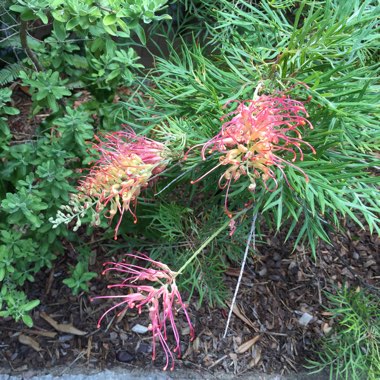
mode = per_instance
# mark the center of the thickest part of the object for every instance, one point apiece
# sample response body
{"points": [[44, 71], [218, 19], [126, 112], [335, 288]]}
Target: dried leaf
{"points": [[217, 362], [256, 357], [196, 344], [65, 328], [47, 334], [326, 328], [28, 341], [233, 357], [233, 272], [240, 315], [247, 345]]}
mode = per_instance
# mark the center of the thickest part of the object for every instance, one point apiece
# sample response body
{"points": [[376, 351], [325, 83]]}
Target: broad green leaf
{"points": [[140, 33], [71, 24], [109, 19], [59, 30], [31, 305], [27, 320]]}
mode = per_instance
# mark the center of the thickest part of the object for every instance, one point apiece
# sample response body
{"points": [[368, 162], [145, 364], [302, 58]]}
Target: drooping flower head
{"points": [[162, 299], [251, 141], [126, 165]]}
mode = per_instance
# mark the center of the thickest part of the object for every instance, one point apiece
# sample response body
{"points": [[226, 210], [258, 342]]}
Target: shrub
{"points": [[352, 349]]}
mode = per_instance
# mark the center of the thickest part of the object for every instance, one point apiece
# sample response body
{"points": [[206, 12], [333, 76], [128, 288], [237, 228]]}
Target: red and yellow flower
{"points": [[252, 140], [126, 166]]}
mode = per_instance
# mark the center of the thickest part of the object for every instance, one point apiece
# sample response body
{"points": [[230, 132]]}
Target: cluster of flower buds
{"points": [[126, 165], [162, 298], [251, 140]]}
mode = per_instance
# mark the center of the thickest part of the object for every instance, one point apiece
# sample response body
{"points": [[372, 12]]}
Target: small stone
{"points": [[305, 319], [355, 256], [144, 348], [65, 338], [263, 271], [140, 329], [124, 357], [276, 257], [185, 330]]}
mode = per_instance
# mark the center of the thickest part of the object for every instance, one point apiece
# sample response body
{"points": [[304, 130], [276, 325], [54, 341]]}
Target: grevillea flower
{"points": [[251, 141], [162, 299], [126, 165]]}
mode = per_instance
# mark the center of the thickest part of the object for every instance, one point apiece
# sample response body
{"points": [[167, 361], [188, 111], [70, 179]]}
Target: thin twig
{"points": [[24, 43], [252, 235]]}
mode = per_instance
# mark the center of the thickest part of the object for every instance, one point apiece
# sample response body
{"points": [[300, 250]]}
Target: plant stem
{"points": [[210, 239], [251, 235], [25, 46]]}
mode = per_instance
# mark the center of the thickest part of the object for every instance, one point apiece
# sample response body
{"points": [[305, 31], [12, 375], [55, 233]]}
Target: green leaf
{"points": [[111, 29], [52, 103], [11, 111], [27, 320], [69, 282], [60, 16], [88, 276], [28, 15], [31, 305], [71, 24], [42, 17], [140, 33], [59, 30], [109, 19], [18, 8]]}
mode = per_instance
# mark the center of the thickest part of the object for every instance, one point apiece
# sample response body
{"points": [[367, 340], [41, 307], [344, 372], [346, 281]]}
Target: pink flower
{"points": [[251, 141], [125, 167], [162, 299]]}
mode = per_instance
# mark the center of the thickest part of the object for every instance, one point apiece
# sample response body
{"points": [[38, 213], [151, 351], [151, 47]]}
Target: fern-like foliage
{"points": [[322, 53], [10, 73]]}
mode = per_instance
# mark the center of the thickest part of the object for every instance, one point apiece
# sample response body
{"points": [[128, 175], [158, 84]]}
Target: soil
{"points": [[279, 317]]}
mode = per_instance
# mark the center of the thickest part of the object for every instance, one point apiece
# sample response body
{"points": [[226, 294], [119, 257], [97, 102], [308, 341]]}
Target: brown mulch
{"points": [[281, 291], [23, 125]]}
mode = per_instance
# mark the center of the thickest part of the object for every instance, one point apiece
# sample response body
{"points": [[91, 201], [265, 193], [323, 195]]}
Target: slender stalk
{"points": [[25, 46], [210, 239], [252, 235]]}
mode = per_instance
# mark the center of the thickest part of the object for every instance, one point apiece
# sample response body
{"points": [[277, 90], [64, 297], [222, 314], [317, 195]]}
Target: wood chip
{"points": [[369, 263], [247, 345], [28, 341], [47, 334], [65, 328]]}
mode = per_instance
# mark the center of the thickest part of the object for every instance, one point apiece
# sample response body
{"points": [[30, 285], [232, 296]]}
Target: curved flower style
{"points": [[126, 166], [251, 140], [162, 299]]}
